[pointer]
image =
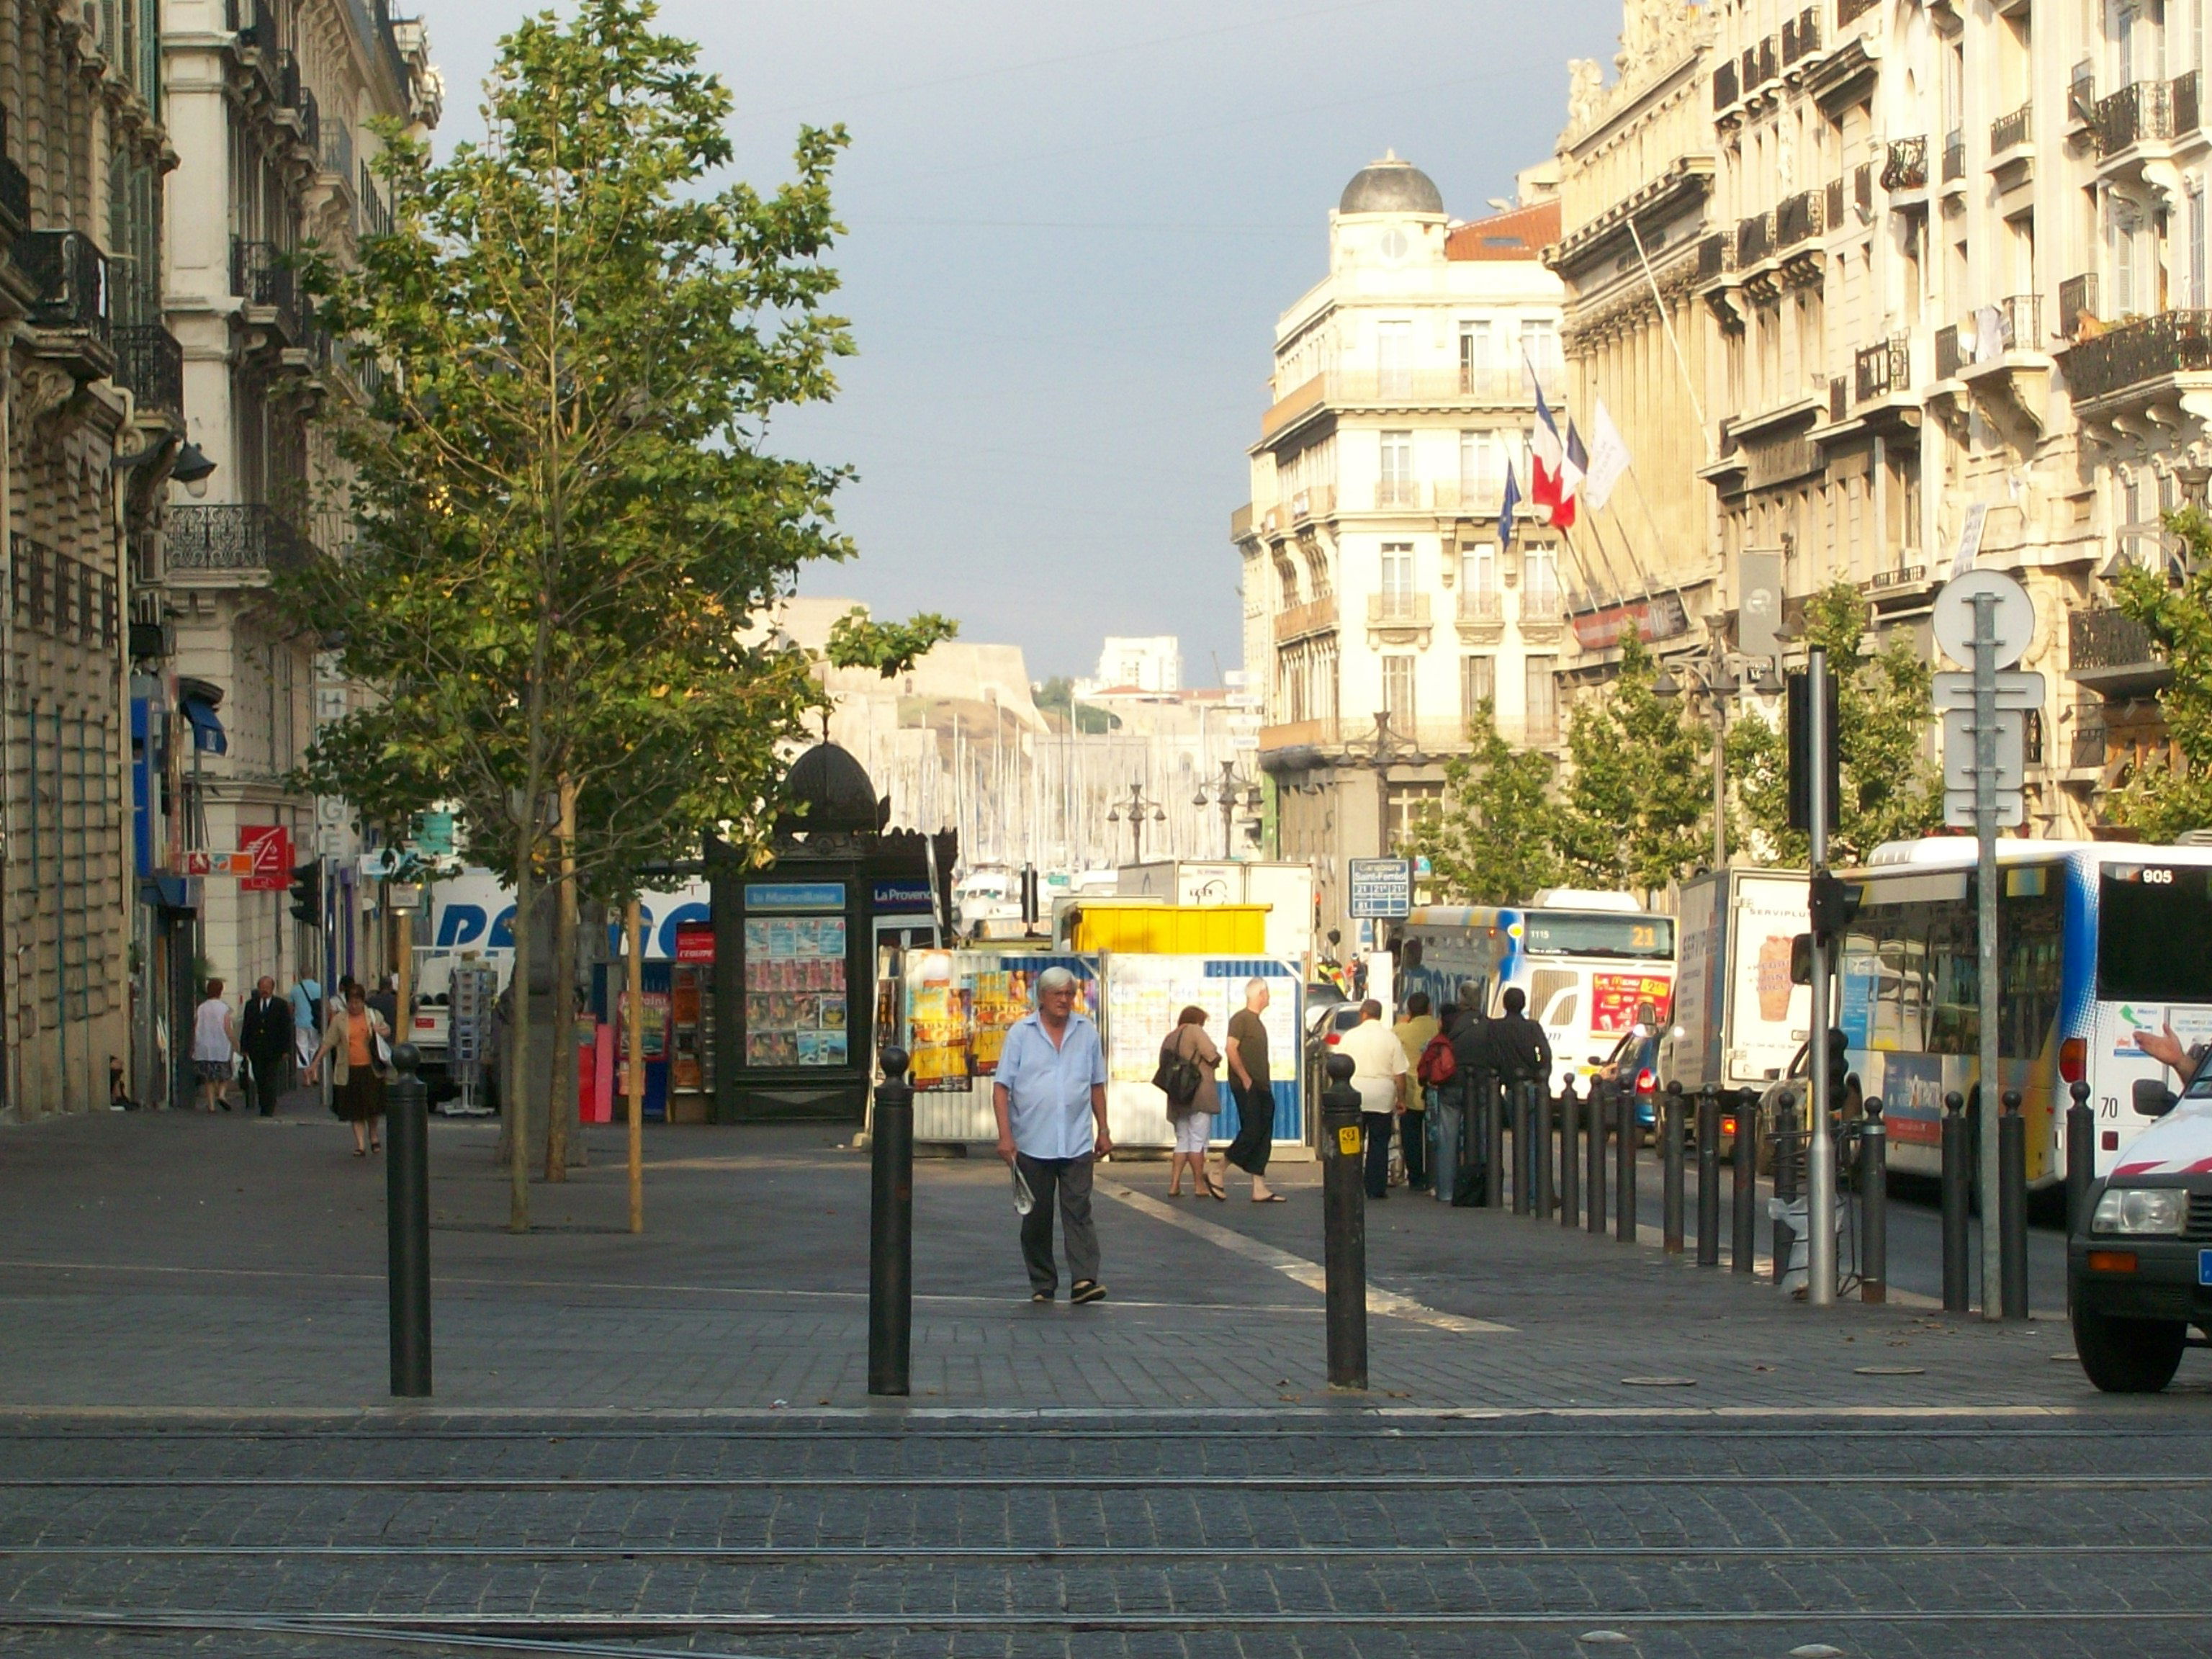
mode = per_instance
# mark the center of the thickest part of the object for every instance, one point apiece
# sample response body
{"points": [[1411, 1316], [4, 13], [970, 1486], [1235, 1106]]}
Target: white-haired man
{"points": [[1252, 1087], [1050, 1095]]}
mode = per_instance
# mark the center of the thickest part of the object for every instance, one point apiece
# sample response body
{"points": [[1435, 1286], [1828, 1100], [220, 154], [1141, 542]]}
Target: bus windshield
{"points": [[2154, 934], [1586, 934]]}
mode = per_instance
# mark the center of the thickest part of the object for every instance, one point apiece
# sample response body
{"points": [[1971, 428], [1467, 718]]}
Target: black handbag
{"points": [[1177, 1076]]}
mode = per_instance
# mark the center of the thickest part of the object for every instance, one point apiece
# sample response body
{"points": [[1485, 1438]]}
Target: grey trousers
{"points": [[1070, 1177]]}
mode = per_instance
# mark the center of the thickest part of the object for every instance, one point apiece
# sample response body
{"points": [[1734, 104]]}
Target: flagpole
{"points": [[1667, 323]]}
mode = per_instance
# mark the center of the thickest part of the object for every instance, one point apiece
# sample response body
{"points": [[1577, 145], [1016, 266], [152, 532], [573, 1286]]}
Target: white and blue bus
{"points": [[2097, 940], [1589, 963]]}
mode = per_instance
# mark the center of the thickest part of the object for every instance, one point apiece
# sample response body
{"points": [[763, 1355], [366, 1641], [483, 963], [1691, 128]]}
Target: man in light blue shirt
{"points": [[1050, 1095]]}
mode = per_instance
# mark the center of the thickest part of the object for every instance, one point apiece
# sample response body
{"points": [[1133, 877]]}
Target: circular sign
{"points": [[2012, 617]]}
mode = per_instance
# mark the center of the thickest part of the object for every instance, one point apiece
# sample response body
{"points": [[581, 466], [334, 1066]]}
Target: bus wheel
{"points": [[2129, 1355]]}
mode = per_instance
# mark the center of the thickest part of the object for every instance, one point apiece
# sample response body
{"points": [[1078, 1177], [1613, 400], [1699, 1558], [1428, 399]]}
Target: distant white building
{"points": [[1149, 664]]}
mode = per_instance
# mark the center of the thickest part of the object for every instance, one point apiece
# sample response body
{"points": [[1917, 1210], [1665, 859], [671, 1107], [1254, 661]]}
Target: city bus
{"points": [[2097, 940], [1591, 964]]}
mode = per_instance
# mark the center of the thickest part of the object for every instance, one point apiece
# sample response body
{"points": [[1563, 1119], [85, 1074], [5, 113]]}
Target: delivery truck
{"points": [[1738, 1020]]}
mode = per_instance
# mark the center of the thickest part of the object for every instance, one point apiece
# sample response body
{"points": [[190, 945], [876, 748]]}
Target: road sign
{"points": [[1958, 809], [1382, 889], [2013, 617], [197, 862], [1958, 750], [2017, 688]]}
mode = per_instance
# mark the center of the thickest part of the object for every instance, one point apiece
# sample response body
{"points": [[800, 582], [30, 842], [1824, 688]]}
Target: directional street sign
{"points": [[1958, 750], [2017, 688], [1382, 889]]}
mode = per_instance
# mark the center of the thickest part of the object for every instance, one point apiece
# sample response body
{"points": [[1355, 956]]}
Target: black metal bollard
{"points": [[1539, 1107], [1570, 1181], [1785, 1181], [1743, 1177], [1493, 1141], [1344, 1220], [1601, 1125], [890, 1230], [2012, 1207], [1874, 1205], [1956, 1190], [1624, 1180], [2081, 1158], [1670, 1189], [1709, 1177], [1517, 1097], [407, 1223]]}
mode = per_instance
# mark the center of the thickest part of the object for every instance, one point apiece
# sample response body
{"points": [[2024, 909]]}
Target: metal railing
{"points": [[259, 277], [1884, 368], [236, 536], [2077, 297], [1754, 239], [2087, 746], [1848, 12], [2107, 639], [15, 183], [2187, 110], [1770, 64], [1947, 360], [149, 361], [57, 594], [338, 151], [69, 274], [1863, 188], [375, 210], [2082, 93], [1797, 218], [1835, 201], [1955, 155], [2170, 343], [1724, 86], [1713, 258], [2144, 112], [2020, 322], [1800, 35], [1904, 164], [2011, 128], [310, 121], [1840, 398]]}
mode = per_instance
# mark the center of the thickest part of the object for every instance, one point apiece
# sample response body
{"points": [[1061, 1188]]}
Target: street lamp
{"points": [[1716, 681], [1225, 792], [1136, 807]]}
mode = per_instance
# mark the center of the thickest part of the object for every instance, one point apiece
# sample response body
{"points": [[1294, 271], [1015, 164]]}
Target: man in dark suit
{"points": [[266, 1039]]}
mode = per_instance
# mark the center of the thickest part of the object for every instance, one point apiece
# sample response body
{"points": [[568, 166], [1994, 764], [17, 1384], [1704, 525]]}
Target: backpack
{"points": [[1437, 1065], [1178, 1077]]}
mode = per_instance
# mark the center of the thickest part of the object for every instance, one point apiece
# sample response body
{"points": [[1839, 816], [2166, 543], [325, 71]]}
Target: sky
{"points": [[1069, 230]]}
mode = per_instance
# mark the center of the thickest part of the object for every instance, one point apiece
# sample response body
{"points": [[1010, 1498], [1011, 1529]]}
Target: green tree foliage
{"points": [[2163, 801], [568, 517], [1639, 800], [890, 648], [1491, 842], [1890, 790], [1056, 697]]}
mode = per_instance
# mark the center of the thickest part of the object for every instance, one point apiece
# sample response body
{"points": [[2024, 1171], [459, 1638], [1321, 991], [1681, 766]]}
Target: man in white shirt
{"points": [[1049, 1092], [1378, 1072]]}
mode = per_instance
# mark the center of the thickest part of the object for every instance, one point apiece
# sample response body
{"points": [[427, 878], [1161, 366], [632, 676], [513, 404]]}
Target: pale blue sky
{"points": [[1072, 228]]}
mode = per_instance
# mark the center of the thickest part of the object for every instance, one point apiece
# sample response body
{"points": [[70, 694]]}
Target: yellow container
{"points": [[1173, 929]]}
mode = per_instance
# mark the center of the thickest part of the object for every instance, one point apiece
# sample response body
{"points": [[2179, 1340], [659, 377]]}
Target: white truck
{"points": [[1740, 1019]]}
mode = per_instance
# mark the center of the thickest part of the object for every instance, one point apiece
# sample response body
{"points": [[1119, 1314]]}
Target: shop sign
{"points": [[794, 896], [1659, 617], [695, 941], [902, 898]]}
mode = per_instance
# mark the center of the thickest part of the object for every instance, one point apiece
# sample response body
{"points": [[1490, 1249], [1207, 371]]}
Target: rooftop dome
{"points": [[1391, 186], [834, 790]]}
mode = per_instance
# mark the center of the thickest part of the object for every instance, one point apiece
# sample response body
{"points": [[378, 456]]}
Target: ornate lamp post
{"points": [[1716, 680], [1225, 792], [1136, 808]]}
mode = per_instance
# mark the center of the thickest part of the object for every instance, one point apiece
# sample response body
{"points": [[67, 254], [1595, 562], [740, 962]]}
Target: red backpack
{"points": [[1437, 1065]]}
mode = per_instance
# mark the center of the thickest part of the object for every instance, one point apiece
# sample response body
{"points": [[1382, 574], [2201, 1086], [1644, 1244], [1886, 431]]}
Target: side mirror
{"points": [[2153, 1097]]}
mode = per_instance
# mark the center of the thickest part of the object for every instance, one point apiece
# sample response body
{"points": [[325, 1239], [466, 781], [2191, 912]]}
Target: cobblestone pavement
{"points": [[664, 1444]]}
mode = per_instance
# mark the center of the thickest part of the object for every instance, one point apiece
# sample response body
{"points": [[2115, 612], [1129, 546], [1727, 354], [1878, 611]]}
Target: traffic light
{"points": [[308, 892], [1833, 901], [1800, 740]]}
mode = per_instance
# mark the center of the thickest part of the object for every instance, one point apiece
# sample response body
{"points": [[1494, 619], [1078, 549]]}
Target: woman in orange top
{"points": [[356, 1069]]}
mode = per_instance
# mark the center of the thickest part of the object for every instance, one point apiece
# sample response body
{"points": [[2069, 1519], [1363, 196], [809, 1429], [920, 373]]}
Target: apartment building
{"points": [[269, 104], [1380, 607]]}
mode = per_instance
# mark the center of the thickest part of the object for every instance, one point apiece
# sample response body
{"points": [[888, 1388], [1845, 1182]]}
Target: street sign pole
{"points": [[1820, 1162], [1985, 837]]}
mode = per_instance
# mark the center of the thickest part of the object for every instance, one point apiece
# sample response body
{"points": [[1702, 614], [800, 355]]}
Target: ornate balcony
{"points": [[2134, 353], [259, 277], [1905, 165], [2009, 130], [62, 597], [2111, 652], [1848, 12], [1947, 360], [1714, 259], [1297, 621], [1955, 155], [1724, 86], [243, 536], [2077, 298], [149, 361], [69, 275], [1754, 239], [1798, 219], [2149, 111], [1884, 368]]}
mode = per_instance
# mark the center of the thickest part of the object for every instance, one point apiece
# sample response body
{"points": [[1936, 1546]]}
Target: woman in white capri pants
{"points": [[1193, 1119]]}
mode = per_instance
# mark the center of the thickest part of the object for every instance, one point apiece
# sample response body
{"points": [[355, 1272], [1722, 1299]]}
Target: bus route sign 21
{"points": [[1382, 889]]}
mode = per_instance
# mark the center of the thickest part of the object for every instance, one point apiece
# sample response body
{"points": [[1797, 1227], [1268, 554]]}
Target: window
{"points": [[1394, 359], [1540, 351], [1478, 686], [2196, 243], [1478, 469], [1475, 358], [1478, 582], [1397, 582], [1543, 720], [1398, 694], [1395, 485], [1539, 584], [1408, 806]]}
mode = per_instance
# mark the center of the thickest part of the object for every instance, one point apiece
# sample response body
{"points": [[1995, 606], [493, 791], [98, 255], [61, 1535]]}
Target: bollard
{"points": [[1874, 1205], [1516, 1098], [1709, 1177], [407, 1223], [2012, 1208], [1785, 1182], [1602, 1095], [1670, 1190], [1539, 1105], [1493, 1141], [1955, 1154], [890, 1228], [2081, 1158], [1624, 1180], [1570, 1182], [1344, 1220], [1743, 1175]]}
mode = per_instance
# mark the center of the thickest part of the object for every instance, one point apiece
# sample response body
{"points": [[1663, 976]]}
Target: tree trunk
{"points": [[560, 1122], [517, 1104]]}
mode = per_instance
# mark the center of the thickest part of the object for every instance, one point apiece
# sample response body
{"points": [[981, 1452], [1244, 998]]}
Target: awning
{"points": [[207, 730]]}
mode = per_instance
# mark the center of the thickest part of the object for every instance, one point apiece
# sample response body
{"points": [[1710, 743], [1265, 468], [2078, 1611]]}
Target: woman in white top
{"points": [[215, 1045]]}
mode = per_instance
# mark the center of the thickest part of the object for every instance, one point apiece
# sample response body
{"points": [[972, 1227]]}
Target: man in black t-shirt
{"points": [[1253, 1089]]}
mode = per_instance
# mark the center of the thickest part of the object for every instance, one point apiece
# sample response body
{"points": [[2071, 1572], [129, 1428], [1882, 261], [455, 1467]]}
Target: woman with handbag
{"points": [[1188, 1074], [359, 1044]]}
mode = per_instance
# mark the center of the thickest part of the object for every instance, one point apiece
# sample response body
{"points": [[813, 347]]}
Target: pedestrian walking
{"points": [[1417, 1028], [357, 1043], [1378, 1072], [215, 1047], [1252, 1087], [1189, 1075], [264, 1034], [385, 998], [1049, 1093], [1475, 1078], [306, 1000], [1523, 1055]]}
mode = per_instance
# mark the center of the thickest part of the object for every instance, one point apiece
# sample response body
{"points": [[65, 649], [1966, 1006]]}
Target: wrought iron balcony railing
{"points": [[2077, 298], [2012, 129], [15, 183], [2170, 343], [1905, 167], [1884, 368], [1947, 360], [338, 151], [151, 363], [1955, 155], [1713, 256], [310, 121], [2145, 112], [259, 277], [59, 595], [69, 274], [1797, 218], [1724, 86], [234, 536], [2107, 639], [1754, 239], [1848, 12]]}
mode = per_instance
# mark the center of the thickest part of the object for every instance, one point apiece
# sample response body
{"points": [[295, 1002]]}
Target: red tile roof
{"points": [[1522, 234]]}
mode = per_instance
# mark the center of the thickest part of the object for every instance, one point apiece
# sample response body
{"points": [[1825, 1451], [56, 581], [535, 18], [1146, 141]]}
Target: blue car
{"points": [[1634, 1061]]}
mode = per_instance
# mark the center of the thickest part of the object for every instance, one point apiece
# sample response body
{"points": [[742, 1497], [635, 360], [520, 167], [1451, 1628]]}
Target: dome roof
{"points": [[1391, 186], [833, 789]]}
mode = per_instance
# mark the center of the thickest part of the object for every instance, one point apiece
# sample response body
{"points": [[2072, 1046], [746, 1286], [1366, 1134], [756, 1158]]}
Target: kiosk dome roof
{"points": [[834, 789]]}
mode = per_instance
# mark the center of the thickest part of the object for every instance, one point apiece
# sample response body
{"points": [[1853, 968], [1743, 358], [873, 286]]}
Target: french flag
{"points": [[1555, 469]]}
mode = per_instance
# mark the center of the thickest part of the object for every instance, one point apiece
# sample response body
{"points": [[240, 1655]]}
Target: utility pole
{"points": [[1821, 1161]]}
